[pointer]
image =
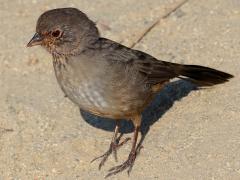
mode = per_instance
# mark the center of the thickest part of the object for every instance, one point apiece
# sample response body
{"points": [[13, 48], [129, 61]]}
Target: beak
{"points": [[36, 40]]}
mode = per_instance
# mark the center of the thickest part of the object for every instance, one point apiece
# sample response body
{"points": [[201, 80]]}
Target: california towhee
{"points": [[106, 78]]}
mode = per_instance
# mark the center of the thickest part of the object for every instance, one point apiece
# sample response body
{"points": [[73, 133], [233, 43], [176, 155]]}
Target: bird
{"points": [[106, 78]]}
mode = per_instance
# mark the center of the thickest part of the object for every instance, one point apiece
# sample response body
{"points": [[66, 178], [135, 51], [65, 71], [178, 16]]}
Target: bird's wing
{"points": [[155, 71]]}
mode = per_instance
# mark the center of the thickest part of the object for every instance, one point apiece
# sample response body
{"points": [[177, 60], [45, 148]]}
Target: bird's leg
{"points": [[133, 153], [114, 146]]}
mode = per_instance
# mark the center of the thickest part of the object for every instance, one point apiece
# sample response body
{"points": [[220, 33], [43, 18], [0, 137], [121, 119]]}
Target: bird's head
{"points": [[64, 31]]}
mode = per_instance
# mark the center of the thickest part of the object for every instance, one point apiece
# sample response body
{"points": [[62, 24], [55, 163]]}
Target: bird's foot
{"points": [[127, 164], [114, 146]]}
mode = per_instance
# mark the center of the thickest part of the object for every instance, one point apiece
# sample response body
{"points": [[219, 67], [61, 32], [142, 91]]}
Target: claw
{"points": [[127, 164], [112, 149]]}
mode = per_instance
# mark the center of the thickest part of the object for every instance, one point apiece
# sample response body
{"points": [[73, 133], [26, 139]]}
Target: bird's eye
{"points": [[57, 33]]}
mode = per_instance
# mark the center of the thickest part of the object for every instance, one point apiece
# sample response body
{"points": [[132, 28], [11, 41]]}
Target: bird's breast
{"points": [[80, 85]]}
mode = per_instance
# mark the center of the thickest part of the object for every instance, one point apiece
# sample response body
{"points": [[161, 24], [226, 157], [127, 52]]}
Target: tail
{"points": [[203, 76]]}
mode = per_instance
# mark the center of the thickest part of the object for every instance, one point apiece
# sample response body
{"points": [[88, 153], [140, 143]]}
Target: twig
{"points": [[6, 129], [154, 24]]}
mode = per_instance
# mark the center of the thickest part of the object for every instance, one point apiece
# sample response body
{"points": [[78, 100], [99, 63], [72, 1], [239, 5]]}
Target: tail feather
{"points": [[203, 76]]}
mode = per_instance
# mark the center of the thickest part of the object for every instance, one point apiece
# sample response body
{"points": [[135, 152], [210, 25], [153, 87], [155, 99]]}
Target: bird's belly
{"points": [[86, 96], [91, 97], [97, 95]]}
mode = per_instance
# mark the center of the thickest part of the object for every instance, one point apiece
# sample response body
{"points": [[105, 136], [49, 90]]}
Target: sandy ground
{"points": [[192, 134]]}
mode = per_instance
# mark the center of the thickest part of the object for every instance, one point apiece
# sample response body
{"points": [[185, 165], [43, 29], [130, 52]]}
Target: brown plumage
{"points": [[105, 77]]}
